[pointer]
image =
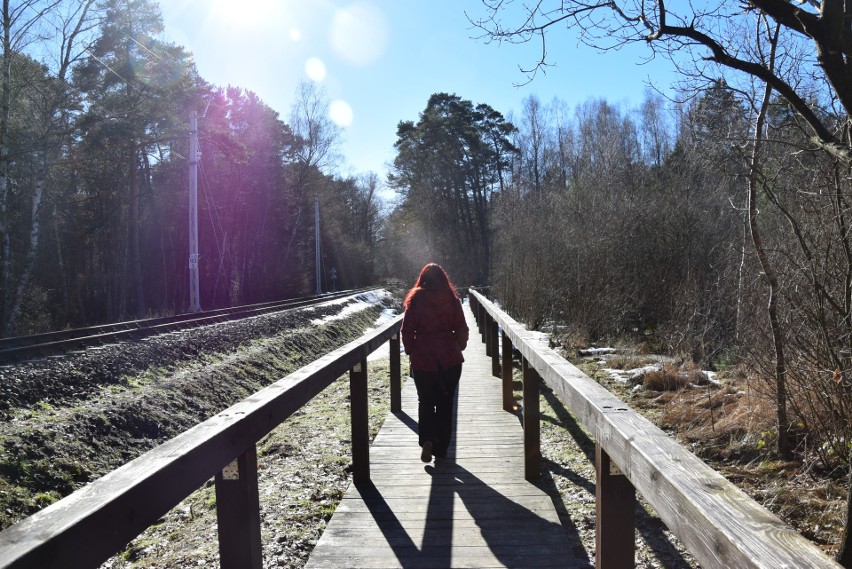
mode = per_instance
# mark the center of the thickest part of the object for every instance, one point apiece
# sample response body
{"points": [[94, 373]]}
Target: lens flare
{"points": [[359, 33], [340, 112], [315, 69]]}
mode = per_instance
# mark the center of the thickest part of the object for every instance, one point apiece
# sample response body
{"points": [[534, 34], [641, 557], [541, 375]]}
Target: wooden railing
{"points": [[97, 521], [717, 522]]}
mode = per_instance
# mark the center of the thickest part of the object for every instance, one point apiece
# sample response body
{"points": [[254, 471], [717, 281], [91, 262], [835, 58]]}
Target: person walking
{"points": [[434, 334]]}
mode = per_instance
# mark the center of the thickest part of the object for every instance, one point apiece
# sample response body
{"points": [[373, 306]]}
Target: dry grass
{"points": [[674, 378], [732, 427], [630, 360], [728, 420]]}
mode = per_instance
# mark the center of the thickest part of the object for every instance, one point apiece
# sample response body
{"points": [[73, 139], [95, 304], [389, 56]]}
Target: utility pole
{"points": [[194, 294], [317, 229]]}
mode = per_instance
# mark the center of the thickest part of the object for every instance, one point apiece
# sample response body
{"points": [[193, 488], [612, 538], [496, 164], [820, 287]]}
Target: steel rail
{"points": [[20, 348]]}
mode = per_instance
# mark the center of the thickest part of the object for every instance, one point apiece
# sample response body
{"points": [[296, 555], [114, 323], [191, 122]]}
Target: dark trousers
{"points": [[435, 394]]}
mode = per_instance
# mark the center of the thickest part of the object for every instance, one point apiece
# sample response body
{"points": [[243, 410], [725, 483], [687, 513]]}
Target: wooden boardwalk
{"points": [[473, 509]]}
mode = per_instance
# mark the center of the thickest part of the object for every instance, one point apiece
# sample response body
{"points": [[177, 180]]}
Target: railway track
{"points": [[20, 348]]}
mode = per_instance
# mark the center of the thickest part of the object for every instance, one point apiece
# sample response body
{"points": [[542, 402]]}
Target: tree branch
{"points": [[822, 136], [830, 32]]}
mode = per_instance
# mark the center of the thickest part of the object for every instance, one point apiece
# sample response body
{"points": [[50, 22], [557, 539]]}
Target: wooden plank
{"points": [[440, 554], [472, 510]]}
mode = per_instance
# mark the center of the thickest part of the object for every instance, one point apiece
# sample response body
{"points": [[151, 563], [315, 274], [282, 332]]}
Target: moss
{"points": [[44, 499]]}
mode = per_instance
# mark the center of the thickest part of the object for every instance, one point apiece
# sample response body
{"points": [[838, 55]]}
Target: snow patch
{"points": [[361, 302], [596, 351], [630, 375], [711, 377]]}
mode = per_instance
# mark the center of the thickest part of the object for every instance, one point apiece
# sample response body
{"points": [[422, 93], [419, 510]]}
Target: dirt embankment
{"points": [[67, 420]]}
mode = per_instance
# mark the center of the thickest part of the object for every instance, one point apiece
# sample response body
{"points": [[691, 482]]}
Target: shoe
{"points": [[426, 452]]}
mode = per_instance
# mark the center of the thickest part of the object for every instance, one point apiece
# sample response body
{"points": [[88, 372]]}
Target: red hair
{"points": [[432, 277]]}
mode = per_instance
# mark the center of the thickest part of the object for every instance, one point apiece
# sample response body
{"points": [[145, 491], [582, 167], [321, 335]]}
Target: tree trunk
{"points": [[5, 107], [66, 301], [29, 264], [783, 446], [138, 296]]}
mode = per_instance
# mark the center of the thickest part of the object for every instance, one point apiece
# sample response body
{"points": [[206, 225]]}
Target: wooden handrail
{"points": [[716, 521], [87, 527]]}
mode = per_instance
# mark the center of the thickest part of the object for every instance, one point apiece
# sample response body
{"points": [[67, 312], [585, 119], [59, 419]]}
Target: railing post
{"points": [[494, 333], [486, 336], [477, 311], [238, 513], [395, 375], [615, 500], [360, 422], [474, 307], [508, 399], [532, 427], [483, 330]]}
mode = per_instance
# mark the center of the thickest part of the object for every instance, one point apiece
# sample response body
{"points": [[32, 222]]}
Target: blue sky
{"points": [[380, 60]]}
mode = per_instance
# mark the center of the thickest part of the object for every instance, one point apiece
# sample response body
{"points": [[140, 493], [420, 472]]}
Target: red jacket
{"points": [[434, 331]]}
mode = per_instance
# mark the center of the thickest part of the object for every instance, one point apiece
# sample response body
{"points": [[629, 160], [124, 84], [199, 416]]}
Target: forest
{"points": [[714, 225], [93, 177]]}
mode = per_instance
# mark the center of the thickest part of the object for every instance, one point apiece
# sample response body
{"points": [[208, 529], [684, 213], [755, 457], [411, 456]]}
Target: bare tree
{"points": [[783, 445], [704, 32], [317, 142], [656, 142]]}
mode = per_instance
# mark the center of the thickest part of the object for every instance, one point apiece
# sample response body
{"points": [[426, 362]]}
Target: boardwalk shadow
{"points": [[505, 527], [406, 420], [465, 521], [435, 549], [508, 527]]}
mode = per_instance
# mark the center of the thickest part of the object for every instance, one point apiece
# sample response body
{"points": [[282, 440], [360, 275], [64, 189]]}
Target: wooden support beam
{"points": [[483, 329], [532, 426], [615, 507], [360, 422], [395, 375], [494, 335], [508, 398], [238, 513]]}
